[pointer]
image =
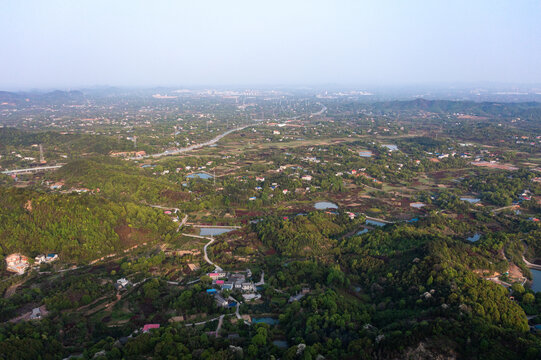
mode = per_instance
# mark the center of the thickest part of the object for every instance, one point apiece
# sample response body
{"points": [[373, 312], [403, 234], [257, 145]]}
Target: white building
{"points": [[247, 286]]}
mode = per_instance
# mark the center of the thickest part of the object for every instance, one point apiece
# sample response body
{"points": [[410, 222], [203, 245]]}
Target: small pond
{"points": [[200, 176], [266, 320], [391, 147], [470, 200], [475, 237], [210, 231], [363, 231], [282, 344], [375, 223], [366, 153], [322, 205]]}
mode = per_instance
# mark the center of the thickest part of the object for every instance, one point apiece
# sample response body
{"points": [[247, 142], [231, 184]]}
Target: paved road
{"points": [[262, 281], [205, 255], [204, 322], [217, 268], [220, 323], [380, 220], [530, 265], [505, 208], [191, 147], [320, 112], [34, 169], [183, 222], [164, 207], [237, 314]]}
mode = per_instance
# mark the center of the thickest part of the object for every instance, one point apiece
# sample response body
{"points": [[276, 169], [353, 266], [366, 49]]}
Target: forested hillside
{"points": [[79, 227]]}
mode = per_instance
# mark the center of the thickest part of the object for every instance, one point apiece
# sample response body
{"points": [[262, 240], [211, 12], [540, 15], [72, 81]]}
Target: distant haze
{"points": [[228, 42]]}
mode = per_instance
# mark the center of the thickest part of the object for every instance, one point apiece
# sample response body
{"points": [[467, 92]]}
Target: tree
{"points": [[528, 298]]}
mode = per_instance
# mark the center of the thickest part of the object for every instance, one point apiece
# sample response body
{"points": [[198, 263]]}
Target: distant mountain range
{"points": [[492, 109], [53, 97]]}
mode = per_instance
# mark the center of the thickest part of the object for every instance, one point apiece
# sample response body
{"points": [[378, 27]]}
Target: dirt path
{"points": [[12, 289], [26, 316]]}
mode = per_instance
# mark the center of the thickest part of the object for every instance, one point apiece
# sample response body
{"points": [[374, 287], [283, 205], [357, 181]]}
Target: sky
{"points": [[80, 43]]}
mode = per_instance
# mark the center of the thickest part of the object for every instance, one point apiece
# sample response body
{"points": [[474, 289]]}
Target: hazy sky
{"points": [[76, 43]]}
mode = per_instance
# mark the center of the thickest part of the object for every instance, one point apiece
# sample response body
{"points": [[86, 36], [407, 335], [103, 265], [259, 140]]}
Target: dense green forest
{"points": [[79, 227], [120, 181], [74, 144]]}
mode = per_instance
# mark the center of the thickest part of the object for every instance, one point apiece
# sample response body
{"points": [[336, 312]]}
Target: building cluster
{"points": [[233, 281], [17, 263]]}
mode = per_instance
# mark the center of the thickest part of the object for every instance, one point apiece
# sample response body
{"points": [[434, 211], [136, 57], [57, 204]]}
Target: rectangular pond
{"points": [[212, 231]]}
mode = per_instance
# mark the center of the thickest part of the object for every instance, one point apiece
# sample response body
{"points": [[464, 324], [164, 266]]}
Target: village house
{"points": [[56, 185], [36, 314], [149, 327], [307, 177], [248, 286], [220, 301], [237, 277], [17, 263], [216, 275], [121, 284], [45, 258], [228, 285]]}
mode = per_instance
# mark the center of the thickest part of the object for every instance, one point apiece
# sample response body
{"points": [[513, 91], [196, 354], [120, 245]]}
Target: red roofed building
{"points": [[148, 327], [17, 263]]}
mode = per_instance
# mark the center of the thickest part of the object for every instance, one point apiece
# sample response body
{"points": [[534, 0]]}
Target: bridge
{"points": [[32, 170]]}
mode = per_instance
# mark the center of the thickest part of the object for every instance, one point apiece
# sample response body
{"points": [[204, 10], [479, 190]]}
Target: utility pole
{"points": [[214, 176]]}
